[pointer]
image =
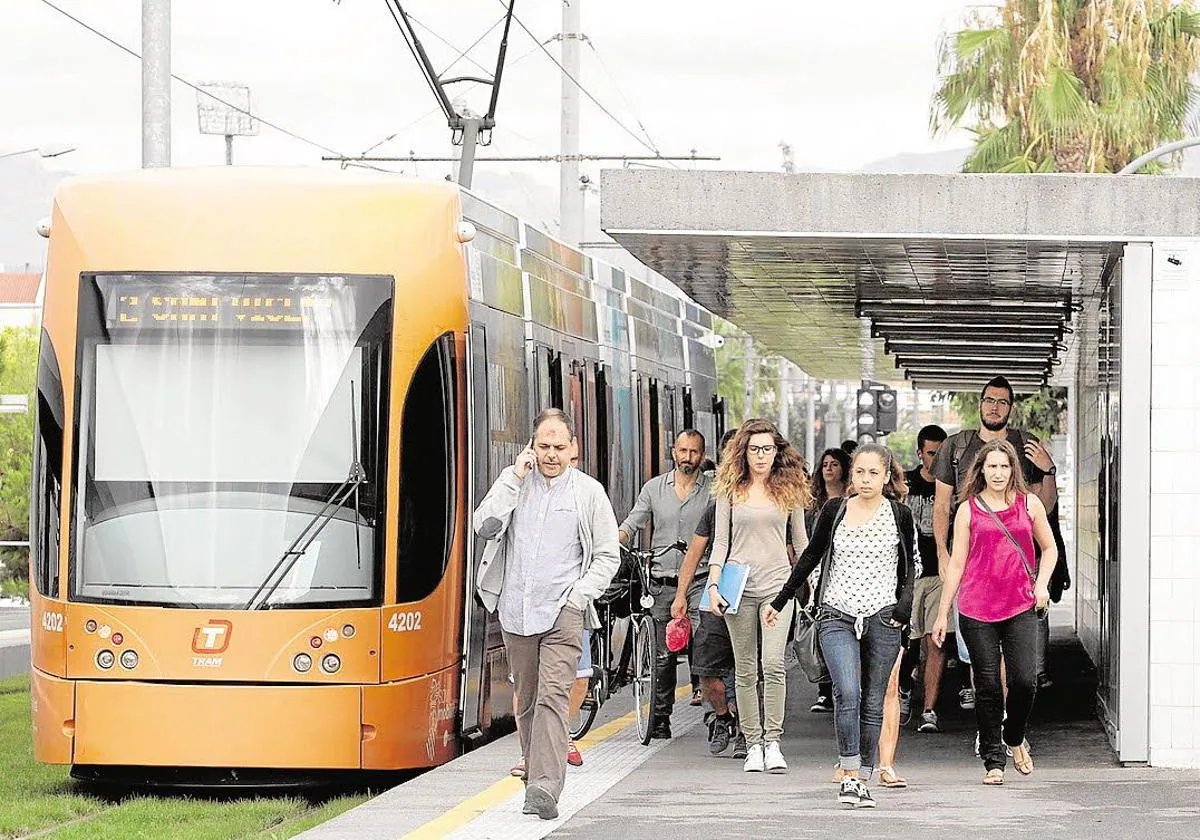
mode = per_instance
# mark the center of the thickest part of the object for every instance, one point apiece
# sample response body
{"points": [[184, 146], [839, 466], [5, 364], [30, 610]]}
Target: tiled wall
{"points": [[1175, 509]]}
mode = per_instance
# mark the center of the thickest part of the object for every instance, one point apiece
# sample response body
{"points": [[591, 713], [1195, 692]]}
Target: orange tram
{"points": [[267, 401]]}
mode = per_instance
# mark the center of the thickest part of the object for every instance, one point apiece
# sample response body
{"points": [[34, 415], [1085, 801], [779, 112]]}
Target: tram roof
{"points": [[961, 276]]}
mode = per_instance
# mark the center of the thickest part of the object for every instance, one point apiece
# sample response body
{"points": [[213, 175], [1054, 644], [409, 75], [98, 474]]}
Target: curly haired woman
{"points": [[761, 488]]}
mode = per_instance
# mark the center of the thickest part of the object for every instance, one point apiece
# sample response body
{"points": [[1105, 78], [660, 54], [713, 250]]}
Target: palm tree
{"points": [[1069, 85]]}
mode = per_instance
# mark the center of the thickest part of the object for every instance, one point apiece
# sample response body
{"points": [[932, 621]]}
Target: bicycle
{"points": [[631, 595]]}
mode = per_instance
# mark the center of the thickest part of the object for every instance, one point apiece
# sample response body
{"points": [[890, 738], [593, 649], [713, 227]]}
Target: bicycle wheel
{"points": [[645, 655], [580, 722]]}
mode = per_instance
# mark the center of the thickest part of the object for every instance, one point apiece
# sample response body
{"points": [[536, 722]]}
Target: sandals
{"points": [[889, 778], [994, 776], [1022, 759]]}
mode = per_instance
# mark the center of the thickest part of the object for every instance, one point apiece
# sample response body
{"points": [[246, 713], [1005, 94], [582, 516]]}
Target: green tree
{"points": [[18, 375], [1069, 85], [903, 443], [731, 378]]}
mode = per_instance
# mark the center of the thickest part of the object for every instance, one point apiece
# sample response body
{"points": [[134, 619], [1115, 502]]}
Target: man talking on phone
{"points": [[551, 550]]}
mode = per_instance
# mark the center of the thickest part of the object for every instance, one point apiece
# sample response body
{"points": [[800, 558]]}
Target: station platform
{"points": [[14, 641], [675, 789]]}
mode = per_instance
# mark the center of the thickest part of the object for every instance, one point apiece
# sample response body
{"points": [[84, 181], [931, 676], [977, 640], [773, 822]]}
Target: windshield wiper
{"points": [[313, 528]]}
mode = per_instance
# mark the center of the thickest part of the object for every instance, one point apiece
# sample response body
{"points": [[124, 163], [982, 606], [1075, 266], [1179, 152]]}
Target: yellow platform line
{"points": [[480, 803]]}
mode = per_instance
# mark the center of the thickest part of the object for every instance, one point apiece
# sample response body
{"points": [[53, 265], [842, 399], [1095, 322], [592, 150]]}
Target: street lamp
{"points": [[49, 151]]}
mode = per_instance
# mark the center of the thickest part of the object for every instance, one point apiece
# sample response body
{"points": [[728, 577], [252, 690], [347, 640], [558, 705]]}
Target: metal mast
{"points": [[570, 194]]}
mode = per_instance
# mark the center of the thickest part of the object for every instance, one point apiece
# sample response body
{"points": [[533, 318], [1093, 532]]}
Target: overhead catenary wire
{"points": [[192, 85], [461, 54], [582, 89], [621, 93]]}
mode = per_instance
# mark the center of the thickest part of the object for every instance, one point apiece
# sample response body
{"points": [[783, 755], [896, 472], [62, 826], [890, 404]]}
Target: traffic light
{"points": [[886, 399], [868, 416], [876, 412]]}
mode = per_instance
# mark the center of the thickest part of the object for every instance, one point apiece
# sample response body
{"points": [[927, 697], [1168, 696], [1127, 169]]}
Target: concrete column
{"points": [[156, 83]]}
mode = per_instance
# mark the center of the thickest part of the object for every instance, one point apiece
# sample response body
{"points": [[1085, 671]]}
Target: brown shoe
{"points": [[1022, 760], [994, 776]]}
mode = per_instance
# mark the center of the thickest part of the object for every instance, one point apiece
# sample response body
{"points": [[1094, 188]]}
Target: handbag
{"points": [[807, 646], [1020, 548], [806, 642]]}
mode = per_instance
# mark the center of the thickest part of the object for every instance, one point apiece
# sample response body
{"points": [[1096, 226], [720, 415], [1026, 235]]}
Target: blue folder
{"points": [[731, 586]]}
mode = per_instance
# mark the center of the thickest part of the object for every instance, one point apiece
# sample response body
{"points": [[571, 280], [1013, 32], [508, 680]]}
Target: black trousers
{"points": [[1017, 640]]}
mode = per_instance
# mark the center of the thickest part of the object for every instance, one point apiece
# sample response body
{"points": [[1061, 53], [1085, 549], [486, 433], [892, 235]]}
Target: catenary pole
{"points": [[570, 196], [810, 410], [156, 83]]}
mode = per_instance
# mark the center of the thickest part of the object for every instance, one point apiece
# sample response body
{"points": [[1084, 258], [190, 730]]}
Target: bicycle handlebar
{"points": [[653, 553]]}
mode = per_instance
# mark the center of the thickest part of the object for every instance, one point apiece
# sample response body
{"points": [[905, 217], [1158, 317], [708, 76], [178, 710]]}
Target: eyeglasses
{"points": [[995, 402], [765, 450]]}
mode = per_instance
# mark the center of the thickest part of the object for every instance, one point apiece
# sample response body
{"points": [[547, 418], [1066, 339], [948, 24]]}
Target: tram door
{"points": [[474, 682]]}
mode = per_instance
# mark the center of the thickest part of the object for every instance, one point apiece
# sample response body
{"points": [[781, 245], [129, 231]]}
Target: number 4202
{"points": [[402, 622]]}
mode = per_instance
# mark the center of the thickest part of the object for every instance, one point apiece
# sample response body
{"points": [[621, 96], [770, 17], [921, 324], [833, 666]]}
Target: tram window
{"points": [[45, 525], [428, 472], [556, 380], [655, 431], [603, 399]]}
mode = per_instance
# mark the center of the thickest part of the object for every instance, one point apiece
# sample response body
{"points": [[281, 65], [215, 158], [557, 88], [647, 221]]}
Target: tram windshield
{"points": [[218, 415]]}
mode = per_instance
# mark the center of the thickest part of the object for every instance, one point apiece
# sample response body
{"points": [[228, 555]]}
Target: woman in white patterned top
{"points": [[866, 547]]}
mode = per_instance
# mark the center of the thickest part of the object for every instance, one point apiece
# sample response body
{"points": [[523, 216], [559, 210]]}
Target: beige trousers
{"points": [[543, 668], [743, 635]]}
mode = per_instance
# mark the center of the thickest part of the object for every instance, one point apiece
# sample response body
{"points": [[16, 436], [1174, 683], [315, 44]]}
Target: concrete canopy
{"points": [[960, 276]]}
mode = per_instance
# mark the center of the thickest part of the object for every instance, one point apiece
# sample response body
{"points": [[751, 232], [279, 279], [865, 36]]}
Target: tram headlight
{"points": [[105, 659], [331, 663], [302, 662], [129, 660], [348, 631], [90, 625]]}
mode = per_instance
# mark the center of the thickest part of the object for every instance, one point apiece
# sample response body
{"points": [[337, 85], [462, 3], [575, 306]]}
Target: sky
{"points": [[843, 84]]}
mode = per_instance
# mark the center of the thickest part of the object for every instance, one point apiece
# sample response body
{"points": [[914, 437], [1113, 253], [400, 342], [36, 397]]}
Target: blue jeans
{"points": [[860, 669]]}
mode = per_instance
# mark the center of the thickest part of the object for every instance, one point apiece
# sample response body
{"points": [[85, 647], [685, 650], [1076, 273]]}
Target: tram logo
{"points": [[212, 637]]}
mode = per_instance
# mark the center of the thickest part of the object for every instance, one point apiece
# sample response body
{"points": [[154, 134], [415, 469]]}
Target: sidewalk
{"points": [[677, 790]]}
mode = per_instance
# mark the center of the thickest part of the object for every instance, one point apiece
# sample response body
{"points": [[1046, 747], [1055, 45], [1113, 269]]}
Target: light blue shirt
{"points": [[545, 557]]}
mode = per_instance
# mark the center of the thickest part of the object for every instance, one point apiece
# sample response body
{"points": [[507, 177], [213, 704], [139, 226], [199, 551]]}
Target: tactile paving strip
{"points": [[603, 766]]}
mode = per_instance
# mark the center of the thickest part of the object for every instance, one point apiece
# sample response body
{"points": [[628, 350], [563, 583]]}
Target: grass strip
{"points": [[32, 796], [182, 818], [313, 818]]}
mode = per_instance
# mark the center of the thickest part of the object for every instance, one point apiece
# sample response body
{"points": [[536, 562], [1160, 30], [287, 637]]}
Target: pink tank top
{"points": [[995, 583]]}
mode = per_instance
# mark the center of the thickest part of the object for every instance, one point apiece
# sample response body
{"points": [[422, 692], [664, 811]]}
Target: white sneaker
{"points": [[773, 758], [754, 760]]}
